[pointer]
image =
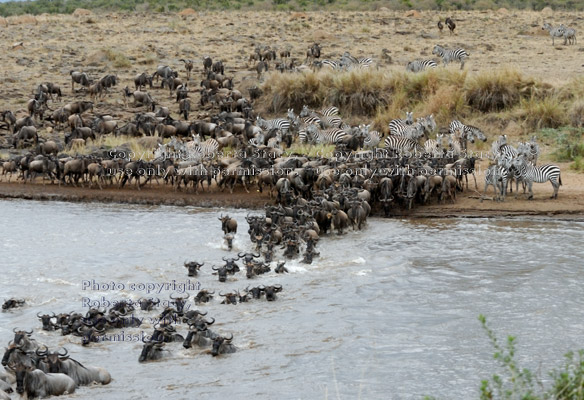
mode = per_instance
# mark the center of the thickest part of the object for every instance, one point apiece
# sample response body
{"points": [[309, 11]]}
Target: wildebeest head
{"points": [[193, 267], [256, 292], [281, 268], [123, 307], [204, 296], [20, 337], [180, 302], [150, 349], [21, 371], [192, 315], [48, 325], [271, 291], [148, 304], [218, 344], [230, 298], [53, 359], [12, 303], [89, 334], [229, 240], [248, 257]]}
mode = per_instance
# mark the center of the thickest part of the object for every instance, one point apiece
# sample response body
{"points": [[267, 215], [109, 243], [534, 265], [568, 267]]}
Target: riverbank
{"points": [[569, 205]]}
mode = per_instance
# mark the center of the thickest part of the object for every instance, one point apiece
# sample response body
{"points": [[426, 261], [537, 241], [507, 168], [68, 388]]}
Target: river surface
{"points": [[386, 313]]}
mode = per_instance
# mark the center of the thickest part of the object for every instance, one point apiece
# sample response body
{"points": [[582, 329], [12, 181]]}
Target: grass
{"points": [[117, 58], [134, 149]]}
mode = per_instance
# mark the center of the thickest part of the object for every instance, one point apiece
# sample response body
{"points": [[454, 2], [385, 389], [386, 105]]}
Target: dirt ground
{"points": [[569, 205], [130, 44]]}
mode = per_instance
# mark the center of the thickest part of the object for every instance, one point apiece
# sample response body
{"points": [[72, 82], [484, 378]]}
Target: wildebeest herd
{"points": [[314, 195]]}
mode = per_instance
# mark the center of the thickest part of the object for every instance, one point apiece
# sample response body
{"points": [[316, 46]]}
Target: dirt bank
{"points": [[569, 205]]}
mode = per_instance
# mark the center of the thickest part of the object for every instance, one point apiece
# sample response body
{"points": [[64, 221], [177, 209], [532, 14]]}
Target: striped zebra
{"points": [[540, 174], [401, 145], [328, 136], [334, 65], [298, 121], [196, 150], [399, 125], [326, 118], [281, 124], [496, 176], [458, 55], [370, 138], [555, 31], [569, 35], [362, 63], [435, 147], [529, 149], [466, 132], [420, 65], [500, 149]]}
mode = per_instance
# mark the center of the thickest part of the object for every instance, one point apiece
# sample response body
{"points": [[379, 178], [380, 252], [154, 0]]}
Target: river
{"points": [[386, 313]]}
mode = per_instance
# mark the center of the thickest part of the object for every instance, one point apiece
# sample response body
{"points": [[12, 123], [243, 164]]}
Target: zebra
{"points": [[555, 32], [398, 125], [458, 55], [540, 174], [328, 136], [371, 138], [208, 148], [501, 149], [420, 65], [434, 147], [466, 132], [530, 150], [569, 35], [334, 65], [326, 118], [496, 176], [402, 144], [280, 124]]}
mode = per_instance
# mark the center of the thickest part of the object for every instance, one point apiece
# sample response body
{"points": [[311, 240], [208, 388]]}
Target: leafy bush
{"points": [[521, 383]]}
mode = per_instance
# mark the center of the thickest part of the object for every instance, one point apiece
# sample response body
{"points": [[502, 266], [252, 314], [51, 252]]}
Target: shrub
{"points": [[542, 113]]}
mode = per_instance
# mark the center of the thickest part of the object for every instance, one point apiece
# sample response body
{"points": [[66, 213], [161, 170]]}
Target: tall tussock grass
{"points": [[449, 94]]}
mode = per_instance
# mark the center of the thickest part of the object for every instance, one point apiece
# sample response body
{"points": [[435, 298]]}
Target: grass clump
{"points": [[536, 113], [497, 90], [118, 59], [568, 142]]}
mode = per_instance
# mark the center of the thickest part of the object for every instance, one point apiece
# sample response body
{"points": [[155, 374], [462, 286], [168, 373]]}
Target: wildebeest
{"points": [[193, 267], [79, 77], [223, 345], [36, 383], [152, 350], [12, 303], [82, 375], [47, 321], [228, 224], [271, 291], [204, 296]]}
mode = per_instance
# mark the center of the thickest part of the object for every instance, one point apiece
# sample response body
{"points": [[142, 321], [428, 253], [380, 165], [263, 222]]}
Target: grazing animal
{"points": [[222, 345], [540, 174], [458, 55], [82, 375], [228, 224], [188, 67], [420, 65], [451, 25], [36, 383], [440, 25], [557, 31]]}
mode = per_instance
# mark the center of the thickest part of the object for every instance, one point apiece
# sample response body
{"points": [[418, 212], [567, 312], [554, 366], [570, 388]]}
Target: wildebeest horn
{"points": [[210, 323], [222, 295], [173, 298], [213, 292], [240, 254], [64, 354], [214, 269], [253, 254], [28, 333], [224, 259], [279, 287], [42, 353], [38, 316], [262, 287], [14, 330], [230, 339]]}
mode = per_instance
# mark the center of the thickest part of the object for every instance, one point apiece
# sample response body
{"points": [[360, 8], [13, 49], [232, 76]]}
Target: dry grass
{"points": [[542, 113]]}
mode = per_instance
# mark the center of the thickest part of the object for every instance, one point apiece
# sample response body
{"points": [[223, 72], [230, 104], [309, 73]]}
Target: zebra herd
{"points": [[347, 62], [519, 164], [455, 55], [569, 34]]}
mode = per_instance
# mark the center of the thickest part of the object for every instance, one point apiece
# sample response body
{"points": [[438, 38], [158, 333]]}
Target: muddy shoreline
{"points": [[466, 206]]}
